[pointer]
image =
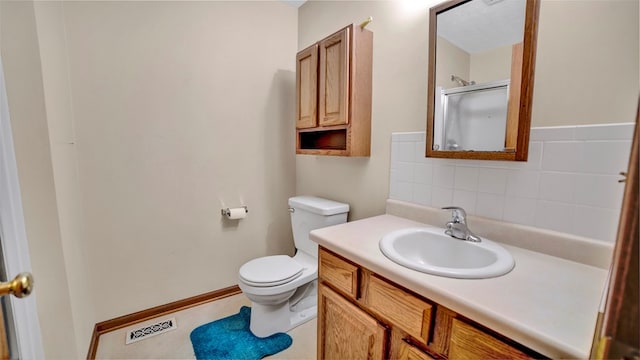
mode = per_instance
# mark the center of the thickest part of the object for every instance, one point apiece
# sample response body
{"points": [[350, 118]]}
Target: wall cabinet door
{"points": [[345, 331], [307, 87], [334, 79]]}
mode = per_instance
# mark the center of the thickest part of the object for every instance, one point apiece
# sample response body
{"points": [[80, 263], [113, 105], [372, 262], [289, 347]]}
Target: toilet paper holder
{"points": [[227, 211]]}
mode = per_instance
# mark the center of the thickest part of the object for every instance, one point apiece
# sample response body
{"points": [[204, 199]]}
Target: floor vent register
{"points": [[148, 331]]}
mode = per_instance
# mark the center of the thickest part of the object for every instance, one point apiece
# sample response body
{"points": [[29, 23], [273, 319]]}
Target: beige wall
{"points": [[21, 60], [491, 65], [486, 66], [180, 109], [587, 67], [451, 60], [148, 117], [55, 78], [586, 72]]}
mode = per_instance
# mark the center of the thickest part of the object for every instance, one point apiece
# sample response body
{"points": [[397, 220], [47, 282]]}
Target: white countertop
{"points": [[546, 303]]}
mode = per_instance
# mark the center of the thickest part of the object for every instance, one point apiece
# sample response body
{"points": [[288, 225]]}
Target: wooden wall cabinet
{"points": [[333, 94], [361, 315]]}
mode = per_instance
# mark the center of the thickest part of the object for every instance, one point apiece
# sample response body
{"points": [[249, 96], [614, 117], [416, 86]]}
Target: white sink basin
{"points": [[430, 251]]}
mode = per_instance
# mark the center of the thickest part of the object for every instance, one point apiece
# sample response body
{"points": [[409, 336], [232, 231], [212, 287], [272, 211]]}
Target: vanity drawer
{"points": [[468, 342], [341, 274], [404, 310]]}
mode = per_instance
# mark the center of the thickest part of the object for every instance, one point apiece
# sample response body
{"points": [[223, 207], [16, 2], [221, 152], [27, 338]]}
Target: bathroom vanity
{"points": [[545, 307]]}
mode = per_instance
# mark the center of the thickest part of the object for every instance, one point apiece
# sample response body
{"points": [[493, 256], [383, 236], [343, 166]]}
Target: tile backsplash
{"points": [[569, 183]]}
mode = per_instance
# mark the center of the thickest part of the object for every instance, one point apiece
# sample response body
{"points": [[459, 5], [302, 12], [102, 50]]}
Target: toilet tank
{"points": [[309, 213]]}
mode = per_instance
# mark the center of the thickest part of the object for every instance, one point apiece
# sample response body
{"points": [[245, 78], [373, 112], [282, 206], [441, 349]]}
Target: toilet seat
{"points": [[270, 271]]}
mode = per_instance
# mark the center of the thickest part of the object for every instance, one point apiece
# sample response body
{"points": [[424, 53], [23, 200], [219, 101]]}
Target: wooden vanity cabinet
{"points": [[333, 94], [361, 315]]}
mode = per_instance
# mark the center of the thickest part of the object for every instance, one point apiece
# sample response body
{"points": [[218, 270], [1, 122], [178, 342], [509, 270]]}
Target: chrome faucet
{"points": [[457, 227]]}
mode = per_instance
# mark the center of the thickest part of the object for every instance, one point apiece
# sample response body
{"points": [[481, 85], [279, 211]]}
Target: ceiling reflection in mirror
{"points": [[475, 77]]}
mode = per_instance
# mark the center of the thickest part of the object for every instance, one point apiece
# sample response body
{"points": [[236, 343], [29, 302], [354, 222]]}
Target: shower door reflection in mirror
{"points": [[471, 117]]}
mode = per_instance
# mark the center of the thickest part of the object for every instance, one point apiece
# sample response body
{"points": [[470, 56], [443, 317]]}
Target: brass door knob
{"points": [[20, 286]]}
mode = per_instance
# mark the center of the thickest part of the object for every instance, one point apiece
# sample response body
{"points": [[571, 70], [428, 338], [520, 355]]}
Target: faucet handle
{"points": [[458, 213]]}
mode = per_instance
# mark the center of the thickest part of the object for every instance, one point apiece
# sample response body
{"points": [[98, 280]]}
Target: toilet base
{"points": [[278, 321], [267, 320]]}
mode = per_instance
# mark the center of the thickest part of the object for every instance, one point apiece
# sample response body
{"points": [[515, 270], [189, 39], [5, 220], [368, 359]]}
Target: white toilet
{"points": [[283, 289]]}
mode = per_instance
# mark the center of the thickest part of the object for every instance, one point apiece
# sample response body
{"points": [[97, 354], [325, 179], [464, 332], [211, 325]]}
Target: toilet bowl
{"points": [[283, 289], [274, 307]]}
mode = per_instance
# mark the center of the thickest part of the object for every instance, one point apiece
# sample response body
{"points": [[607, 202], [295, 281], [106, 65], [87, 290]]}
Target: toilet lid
{"points": [[270, 270]]}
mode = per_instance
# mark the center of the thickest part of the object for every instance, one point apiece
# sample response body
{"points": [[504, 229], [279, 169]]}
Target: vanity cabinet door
{"points": [[345, 331], [468, 342], [410, 352]]}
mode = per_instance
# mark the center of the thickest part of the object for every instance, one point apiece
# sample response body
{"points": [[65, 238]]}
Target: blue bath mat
{"points": [[230, 338]]}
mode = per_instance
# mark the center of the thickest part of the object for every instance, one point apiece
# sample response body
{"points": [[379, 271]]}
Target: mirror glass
{"points": [[480, 78]]}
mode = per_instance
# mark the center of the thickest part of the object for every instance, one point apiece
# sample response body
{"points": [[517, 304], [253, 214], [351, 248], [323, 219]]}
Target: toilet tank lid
{"points": [[318, 205]]}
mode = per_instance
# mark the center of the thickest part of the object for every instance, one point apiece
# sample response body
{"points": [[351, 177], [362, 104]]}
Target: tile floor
{"points": [[175, 344]]}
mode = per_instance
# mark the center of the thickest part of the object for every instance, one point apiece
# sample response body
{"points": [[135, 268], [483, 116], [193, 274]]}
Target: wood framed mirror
{"points": [[481, 72]]}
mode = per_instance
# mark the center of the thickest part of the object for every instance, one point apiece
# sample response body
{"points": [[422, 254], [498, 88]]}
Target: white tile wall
{"points": [[569, 184]]}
